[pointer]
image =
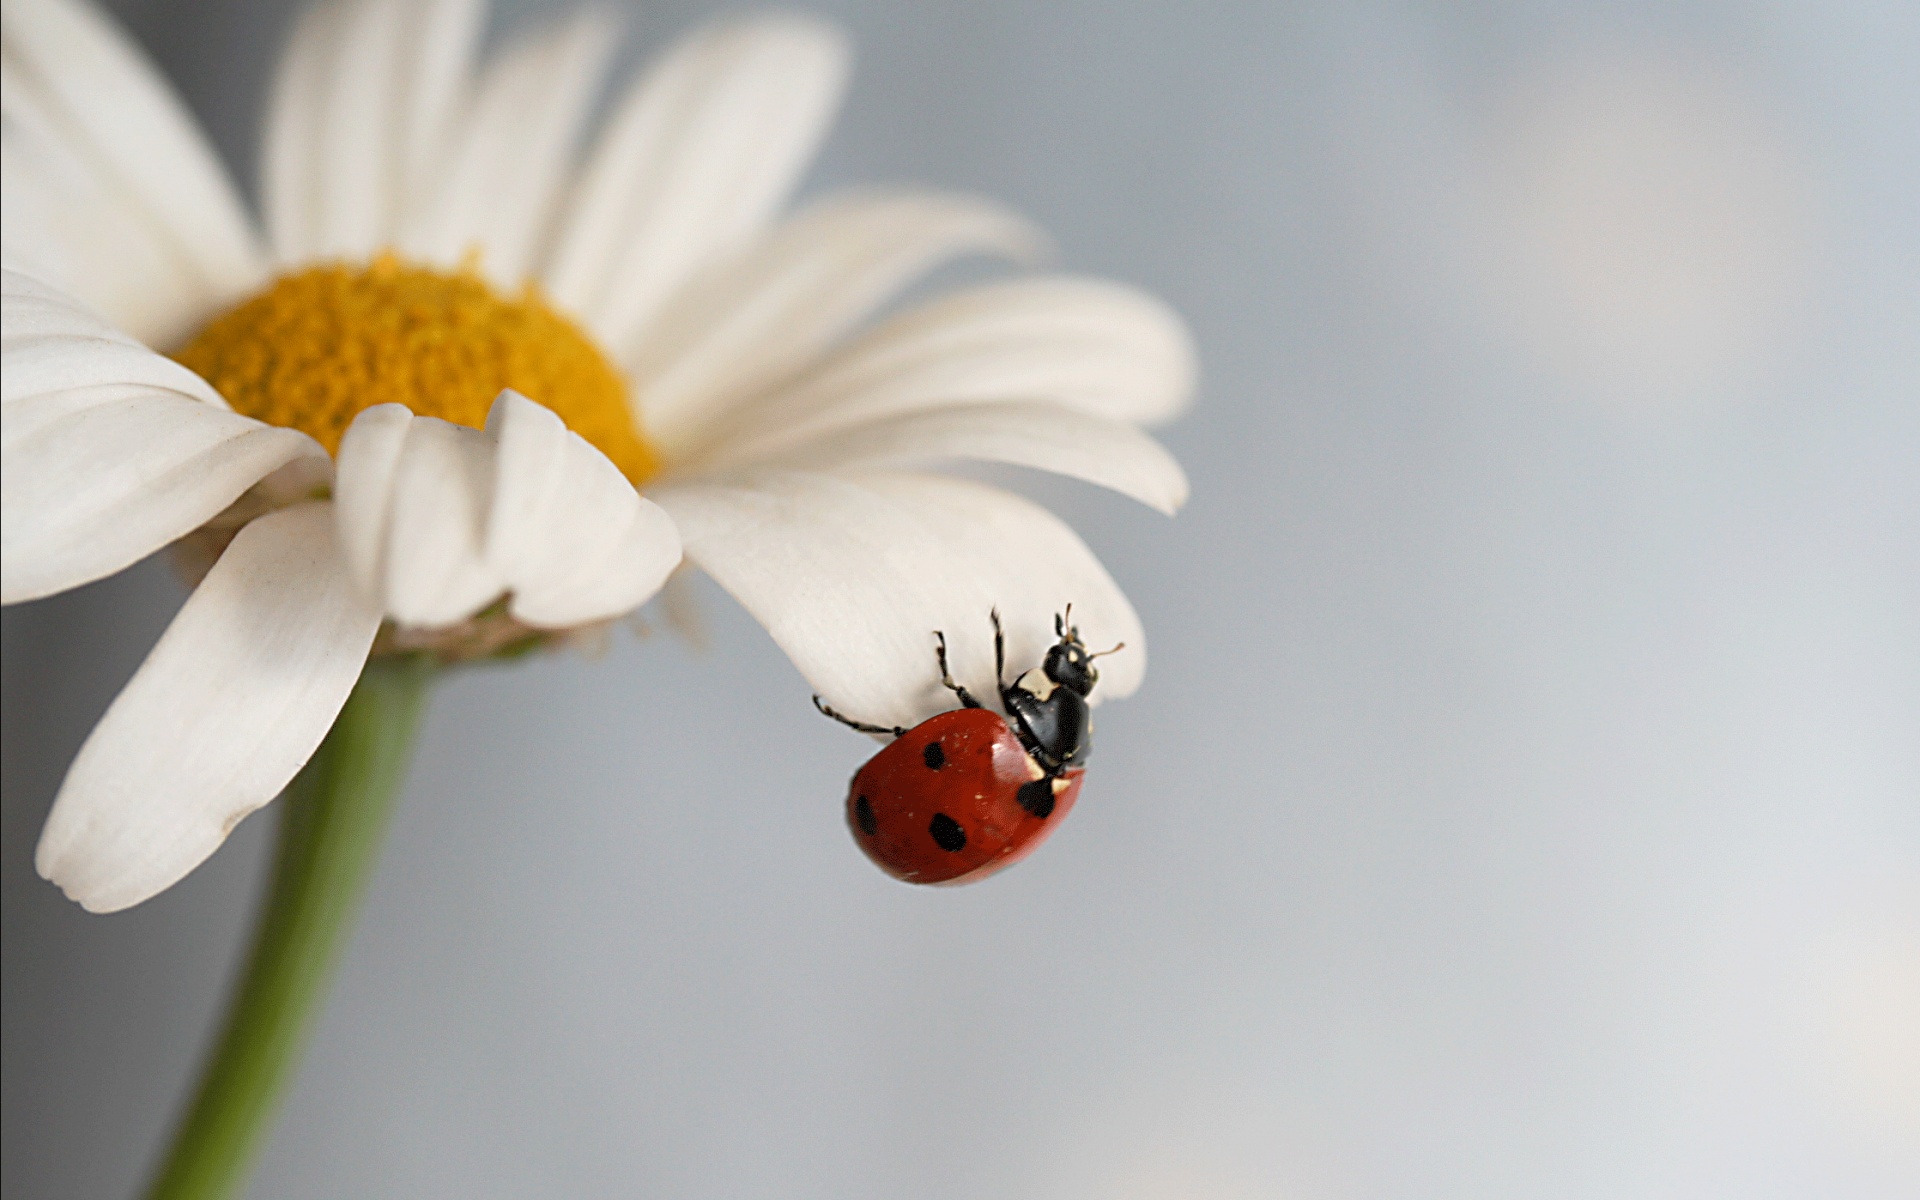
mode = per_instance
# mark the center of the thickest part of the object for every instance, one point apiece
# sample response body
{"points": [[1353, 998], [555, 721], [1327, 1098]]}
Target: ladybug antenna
{"points": [[1117, 649], [1065, 631]]}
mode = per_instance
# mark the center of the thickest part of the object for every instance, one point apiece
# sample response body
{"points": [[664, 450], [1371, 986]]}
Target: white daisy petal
{"points": [[233, 700], [291, 188], [37, 366], [90, 124], [354, 132], [116, 475], [752, 321], [66, 224], [438, 520], [435, 571], [1048, 437], [55, 349], [567, 532], [363, 492], [499, 183], [107, 450], [445, 38], [852, 573], [35, 307], [698, 155], [1101, 348], [359, 117]]}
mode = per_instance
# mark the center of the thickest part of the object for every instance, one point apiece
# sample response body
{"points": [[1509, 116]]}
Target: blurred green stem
{"points": [[331, 823]]}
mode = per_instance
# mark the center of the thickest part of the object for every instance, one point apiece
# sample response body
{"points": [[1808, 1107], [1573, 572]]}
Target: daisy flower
{"points": [[474, 382]]}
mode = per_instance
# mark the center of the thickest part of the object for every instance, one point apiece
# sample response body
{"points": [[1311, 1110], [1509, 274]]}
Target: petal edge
{"points": [[231, 702]]}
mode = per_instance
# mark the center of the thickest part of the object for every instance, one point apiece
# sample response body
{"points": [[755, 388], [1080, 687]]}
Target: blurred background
{"points": [[1525, 797]]}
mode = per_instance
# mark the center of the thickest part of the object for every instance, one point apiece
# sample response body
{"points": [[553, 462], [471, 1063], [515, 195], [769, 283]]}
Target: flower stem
{"points": [[330, 829]]}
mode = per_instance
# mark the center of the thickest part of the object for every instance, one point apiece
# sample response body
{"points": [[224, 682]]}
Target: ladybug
{"points": [[969, 792]]}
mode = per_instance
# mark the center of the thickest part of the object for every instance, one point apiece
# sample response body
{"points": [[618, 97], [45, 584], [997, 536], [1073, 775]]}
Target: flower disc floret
{"points": [[320, 345]]}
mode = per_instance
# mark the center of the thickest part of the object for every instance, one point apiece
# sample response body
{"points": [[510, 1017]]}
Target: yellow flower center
{"points": [[320, 345]]}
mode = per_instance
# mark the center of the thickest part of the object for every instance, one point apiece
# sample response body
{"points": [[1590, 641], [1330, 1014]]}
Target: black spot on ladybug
{"points": [[947, 833], [863, 815], [1036, 797], [934, 756]]}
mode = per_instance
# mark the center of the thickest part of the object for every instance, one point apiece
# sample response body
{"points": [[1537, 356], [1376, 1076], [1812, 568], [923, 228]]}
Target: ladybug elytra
{"points": [[968, 793]]}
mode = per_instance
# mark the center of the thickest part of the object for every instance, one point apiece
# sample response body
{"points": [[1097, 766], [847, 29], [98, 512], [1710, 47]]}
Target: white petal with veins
{"points": [[751, 321], [508, 154], [89, 122], [1102, 348], [363, 492], [359, 123], [233, 700], [435, 572], [853, 572], [433, 87], [36, 308], [108, 451], [291, 190], [65, 224], [439, 520], [354, 132], [1047, 437], [696, 158], [567, 532], [50, 363]]}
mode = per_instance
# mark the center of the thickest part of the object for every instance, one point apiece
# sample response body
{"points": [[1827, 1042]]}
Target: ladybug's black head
{"points": [[1068, 663]]}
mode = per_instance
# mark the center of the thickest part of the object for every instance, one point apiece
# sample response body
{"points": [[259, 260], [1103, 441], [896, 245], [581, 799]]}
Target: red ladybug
{"points": [[969, 792]]}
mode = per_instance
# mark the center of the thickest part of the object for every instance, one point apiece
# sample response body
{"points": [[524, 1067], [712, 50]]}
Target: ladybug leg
{"points": [[999, 651], [862, 726], [946, 676]]}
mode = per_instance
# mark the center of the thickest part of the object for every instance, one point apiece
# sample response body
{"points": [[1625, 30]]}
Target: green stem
{"points": [[330, 829]]}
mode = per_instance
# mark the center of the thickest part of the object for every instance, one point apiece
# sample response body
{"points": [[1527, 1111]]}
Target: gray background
{"points": [[1522, 802]]}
